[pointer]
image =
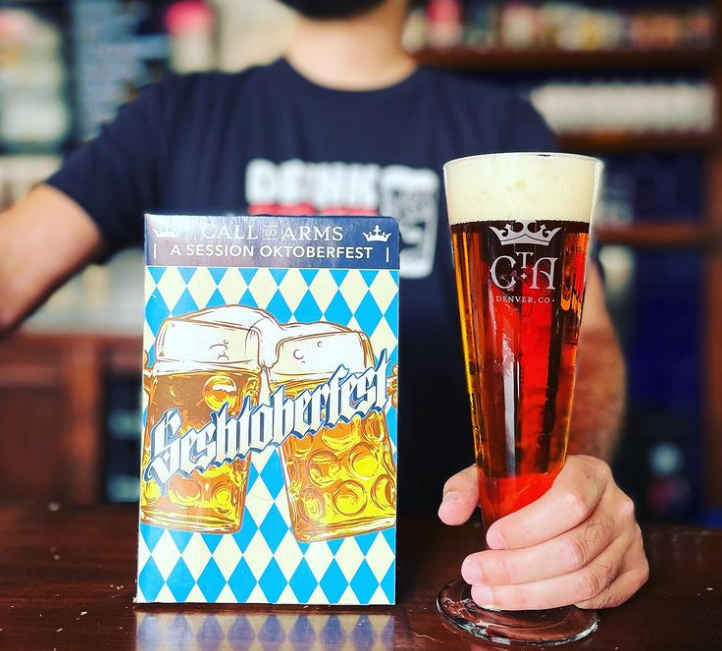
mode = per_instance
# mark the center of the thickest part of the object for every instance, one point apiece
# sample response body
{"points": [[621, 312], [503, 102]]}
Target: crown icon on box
{"points": [[508, 235], [161, 234], [377, 235]]}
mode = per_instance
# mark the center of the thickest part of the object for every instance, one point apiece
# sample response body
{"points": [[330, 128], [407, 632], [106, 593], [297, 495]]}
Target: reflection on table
{"points": [[263, 631]]}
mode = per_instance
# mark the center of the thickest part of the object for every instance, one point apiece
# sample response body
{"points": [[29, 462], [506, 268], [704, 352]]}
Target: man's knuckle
{"points": [[458, 481], [589, 583], [599, 530], [506, 569], [573, 552], [451, 484], [466, 478], [518, 533], [610, 573], [609, 526], [527, 533], [627, 508], [577, 503]]}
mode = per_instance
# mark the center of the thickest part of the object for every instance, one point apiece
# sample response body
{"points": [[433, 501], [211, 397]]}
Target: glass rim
{"points": [[524, 154]]}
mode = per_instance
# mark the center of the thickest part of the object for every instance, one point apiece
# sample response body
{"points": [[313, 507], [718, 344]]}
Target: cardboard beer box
{"points": [[268, 470]]}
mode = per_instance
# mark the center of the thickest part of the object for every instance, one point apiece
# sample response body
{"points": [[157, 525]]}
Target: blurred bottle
{"points": [[627, 106], [445, 28], [190, 28], [571, 26], [700, 28], [520, 26], [34, 115], [415, 36], [482, 24], [669, 491]]}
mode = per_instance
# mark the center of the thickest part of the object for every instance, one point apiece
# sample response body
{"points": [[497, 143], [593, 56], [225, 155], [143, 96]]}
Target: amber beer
{"points": [[520, 251], [340, 481], [521, 329], [204, 361]]}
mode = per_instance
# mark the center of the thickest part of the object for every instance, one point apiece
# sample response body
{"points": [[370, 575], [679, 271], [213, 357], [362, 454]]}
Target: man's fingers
{"points": [[584, 585], [561, 555], [635, 575], [570, 501], [461, 497]]}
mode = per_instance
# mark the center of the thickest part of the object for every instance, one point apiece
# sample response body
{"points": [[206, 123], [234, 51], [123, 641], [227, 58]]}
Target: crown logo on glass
{"points": [[510, 235], [377, 235]]}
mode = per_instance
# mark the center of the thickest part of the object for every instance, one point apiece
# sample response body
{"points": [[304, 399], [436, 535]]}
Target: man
{"points": [[347, 124]]}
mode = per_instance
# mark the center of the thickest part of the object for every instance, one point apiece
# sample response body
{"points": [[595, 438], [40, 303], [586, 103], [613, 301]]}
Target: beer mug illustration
{"points": [[205, 361], [340, 481]]}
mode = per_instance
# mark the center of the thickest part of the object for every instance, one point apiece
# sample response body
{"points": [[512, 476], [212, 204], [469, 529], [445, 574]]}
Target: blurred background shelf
{"points": [[551, 60], [621, 142], [670, 235]]}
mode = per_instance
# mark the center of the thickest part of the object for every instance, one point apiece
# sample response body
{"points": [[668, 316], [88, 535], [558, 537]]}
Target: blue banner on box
{"points": [[269, 452]]}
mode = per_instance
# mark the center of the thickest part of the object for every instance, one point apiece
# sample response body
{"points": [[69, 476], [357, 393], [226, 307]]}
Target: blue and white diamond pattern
{"points": [[263, 562]]}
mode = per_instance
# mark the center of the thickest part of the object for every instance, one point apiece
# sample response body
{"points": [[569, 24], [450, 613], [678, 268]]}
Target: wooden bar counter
{"points": [[67, 584]]}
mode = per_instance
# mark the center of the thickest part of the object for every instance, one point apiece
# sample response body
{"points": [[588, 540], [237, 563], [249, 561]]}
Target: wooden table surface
{"points": [[67, 583]]}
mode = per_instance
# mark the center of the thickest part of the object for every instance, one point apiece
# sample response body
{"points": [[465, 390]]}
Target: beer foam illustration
{"points": [[527, 186], [233, 334], [316, 350]]}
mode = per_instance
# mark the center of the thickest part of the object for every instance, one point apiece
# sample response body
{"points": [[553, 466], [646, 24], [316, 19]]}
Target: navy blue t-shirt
{"points": [[270, 141]]}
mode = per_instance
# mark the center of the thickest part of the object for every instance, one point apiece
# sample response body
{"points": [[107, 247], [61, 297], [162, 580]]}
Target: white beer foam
{"points": [[527, 186], [316, 350], [233, 335]]}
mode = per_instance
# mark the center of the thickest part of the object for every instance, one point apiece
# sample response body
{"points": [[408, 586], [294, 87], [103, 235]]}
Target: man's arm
{"points": [[96, 199], [46, 237], [600, 389]]}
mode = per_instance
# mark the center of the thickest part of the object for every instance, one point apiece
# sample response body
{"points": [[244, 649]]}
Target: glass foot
{"points": [[527, 627]]}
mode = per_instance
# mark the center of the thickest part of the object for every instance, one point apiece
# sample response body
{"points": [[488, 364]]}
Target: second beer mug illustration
{"points": [[342, 480]]}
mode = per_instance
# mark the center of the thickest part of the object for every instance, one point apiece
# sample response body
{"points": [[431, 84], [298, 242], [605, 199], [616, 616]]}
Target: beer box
{"points": [[268, 470]]}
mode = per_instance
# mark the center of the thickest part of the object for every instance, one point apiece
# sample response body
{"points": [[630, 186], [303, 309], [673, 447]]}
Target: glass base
{"points": [[527, 627]]}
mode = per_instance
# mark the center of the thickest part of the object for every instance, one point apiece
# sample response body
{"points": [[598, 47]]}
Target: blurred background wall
{"points": [[636, 82]]}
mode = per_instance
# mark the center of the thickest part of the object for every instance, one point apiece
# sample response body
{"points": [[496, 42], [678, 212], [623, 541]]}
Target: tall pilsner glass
{"points": [[520, 231]]}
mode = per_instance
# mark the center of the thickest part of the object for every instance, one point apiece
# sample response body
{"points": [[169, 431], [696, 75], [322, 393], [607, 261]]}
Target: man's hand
{"points": [[577, 544]]}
